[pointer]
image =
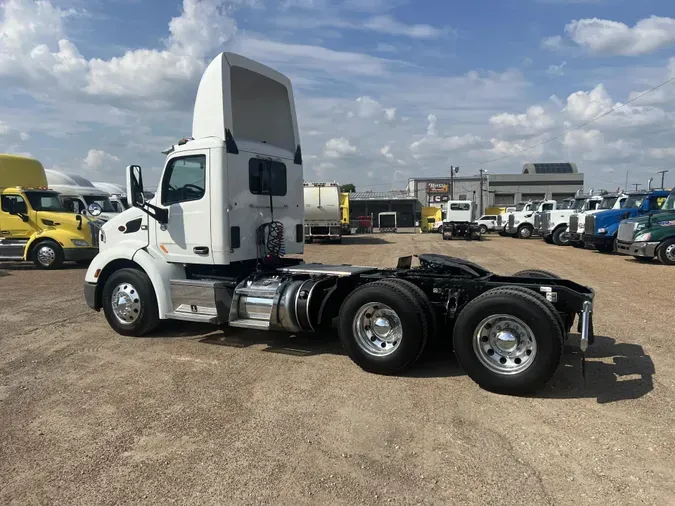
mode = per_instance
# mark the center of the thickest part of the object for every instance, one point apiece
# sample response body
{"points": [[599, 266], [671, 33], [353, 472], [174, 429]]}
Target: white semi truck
{"points": [[117, 192], [212, 244], [521, 223], [503, 219], [322, 212], [79, 195], [460, 220], [593, 205], [552, 225]]}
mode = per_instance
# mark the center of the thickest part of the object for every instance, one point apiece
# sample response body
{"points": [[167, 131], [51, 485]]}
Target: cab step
{"points": [[246, 323], [192, 317]]}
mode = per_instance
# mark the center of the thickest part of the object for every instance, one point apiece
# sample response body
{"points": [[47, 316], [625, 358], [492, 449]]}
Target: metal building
{"points": [[371, 203], [537, 181]]}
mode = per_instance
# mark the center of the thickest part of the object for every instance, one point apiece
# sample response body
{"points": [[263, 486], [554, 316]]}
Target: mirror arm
{"points": [[158, 213]]}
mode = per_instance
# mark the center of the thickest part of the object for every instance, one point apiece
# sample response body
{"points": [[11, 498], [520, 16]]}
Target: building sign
{"points": [[438, 188], [438, 198]]}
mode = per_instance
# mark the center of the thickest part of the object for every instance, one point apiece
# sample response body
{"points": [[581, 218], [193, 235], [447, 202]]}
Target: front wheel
{"points": [[606, 248], [560, 237], [129, 303], [524, 232], [483, 229], [666, 252], [383, 328], [47, 255], [508, 341]]}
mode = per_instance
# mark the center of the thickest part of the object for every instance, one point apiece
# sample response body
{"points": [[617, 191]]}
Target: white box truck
{"points": [[322, 212]]}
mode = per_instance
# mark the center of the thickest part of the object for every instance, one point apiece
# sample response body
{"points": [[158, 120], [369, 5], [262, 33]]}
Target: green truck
{"points": [[651, 235]]}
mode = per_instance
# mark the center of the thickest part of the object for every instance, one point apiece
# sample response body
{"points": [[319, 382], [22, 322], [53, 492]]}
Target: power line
{"points": [[582, 125]]}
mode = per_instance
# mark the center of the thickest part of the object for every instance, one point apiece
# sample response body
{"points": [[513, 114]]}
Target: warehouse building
{"points": [[370, 203], [537, 181]]}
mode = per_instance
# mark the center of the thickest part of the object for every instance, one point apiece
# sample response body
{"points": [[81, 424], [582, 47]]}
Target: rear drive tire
{"points": [[666, 252], [383, 328], [559, 237], [508, 341], [47, 255], [129, 303], [540, 273], [416, 292]]}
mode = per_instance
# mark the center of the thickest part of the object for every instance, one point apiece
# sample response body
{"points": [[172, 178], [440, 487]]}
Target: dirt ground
{"points": [[192, 415]]}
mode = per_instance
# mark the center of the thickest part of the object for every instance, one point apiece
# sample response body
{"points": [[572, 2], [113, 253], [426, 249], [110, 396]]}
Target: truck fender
{"points": [[159, 272]]}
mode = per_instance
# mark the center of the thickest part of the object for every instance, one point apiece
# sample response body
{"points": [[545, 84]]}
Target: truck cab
{"points": [[460, 220], [553, 224], [521, 223], [117, 194], [601, 228], [593, 204], [503, 219], [78, 194], [651, 235], [34, 224]]}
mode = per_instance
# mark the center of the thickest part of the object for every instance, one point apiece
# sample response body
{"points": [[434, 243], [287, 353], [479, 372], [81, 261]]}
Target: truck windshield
{"points": [[591, 205], [608, 203], [567, 205], [579, 204], [634, 201], [45, 201], [104, 202], [520, 207], [669, 204]]}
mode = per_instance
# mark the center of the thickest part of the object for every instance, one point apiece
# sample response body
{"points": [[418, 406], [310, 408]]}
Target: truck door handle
{"points": [[200, 250], [5, 232]]}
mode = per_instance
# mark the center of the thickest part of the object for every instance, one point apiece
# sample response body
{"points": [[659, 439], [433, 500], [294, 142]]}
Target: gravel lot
{"points": [[192, 415]]}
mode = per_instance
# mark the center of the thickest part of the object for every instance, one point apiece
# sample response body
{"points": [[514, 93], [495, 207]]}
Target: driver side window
{"points": [[19, 204], [184, 179]]}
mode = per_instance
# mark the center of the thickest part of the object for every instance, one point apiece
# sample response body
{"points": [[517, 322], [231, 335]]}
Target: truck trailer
{"points": [[323, 216], [212, 247]]}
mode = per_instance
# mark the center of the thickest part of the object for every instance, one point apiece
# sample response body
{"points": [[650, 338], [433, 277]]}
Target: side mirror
{"points": [[94, 209], [135, 195], [12, 206]]}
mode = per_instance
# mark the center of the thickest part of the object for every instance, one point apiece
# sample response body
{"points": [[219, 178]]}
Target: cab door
{"points": [[13, 226], [186, 238]]}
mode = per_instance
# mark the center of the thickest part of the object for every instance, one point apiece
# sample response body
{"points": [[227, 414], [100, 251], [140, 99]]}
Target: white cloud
{"points": [[603, 36], [4, 128], [368, 108], [583, 106], [433, 143], [24, 136], [557, 70], [533, 122], [387, 24], [338, 147], [662, 153], [663, 95], [383, 47], [99, 161], [386, 152], [553, 43], [591, 145]]}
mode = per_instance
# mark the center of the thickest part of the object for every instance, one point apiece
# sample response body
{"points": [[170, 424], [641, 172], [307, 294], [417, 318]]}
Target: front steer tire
{"points": [[47, 255], [413, 322], [143, 313], [527, 309], [666, 252]]}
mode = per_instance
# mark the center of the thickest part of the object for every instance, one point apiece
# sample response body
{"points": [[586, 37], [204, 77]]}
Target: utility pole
{"points": [[663, 175], [481, 190], [636, 185], [626, 187], [452, 183]]}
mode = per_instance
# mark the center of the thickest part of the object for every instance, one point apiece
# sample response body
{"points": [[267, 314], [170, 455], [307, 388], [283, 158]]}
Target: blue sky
{"points": [[385, 90]]}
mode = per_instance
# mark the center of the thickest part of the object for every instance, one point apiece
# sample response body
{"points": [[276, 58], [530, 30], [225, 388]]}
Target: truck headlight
{"points": [[643, 237], [515, 222], [602, 231], [79, 242]]}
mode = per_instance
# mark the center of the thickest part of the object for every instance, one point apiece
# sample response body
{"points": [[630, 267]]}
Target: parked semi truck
{"points": [[344, 214], [651, 235], [211, 247], [577, 220], [503, 219], [117, 194], [552, 225], [432, 219], [600, 229], [78, 193], [34, 224], [521, 224], [460, 220], [323, 218]]}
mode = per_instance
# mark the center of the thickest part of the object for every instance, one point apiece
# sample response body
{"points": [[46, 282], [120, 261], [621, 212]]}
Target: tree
{"points": [[348, 188]]}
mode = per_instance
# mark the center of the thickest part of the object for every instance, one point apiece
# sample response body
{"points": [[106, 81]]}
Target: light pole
{"points": [[663, 175], [453, 171]]}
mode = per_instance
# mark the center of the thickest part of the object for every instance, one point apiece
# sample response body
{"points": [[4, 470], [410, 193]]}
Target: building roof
{"points": [[390, 195], [550, 168]]}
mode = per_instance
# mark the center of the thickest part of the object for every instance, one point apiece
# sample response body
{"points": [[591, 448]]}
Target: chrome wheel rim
{"points": [[525, 233], [46, 255], [504, 344], [670, 252], [126, 303], [377, 329]]}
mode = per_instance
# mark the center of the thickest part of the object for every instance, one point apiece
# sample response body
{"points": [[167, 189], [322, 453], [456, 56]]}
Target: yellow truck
{"points": [[34, 225], [432, 219], [344, 214]]}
